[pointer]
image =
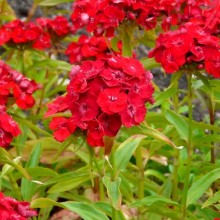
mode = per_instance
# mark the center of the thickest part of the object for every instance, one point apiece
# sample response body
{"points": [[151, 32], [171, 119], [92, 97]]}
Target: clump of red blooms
{"points": [[14, 88], [36, 35], [91, 48], [104, 16], [57, 27], [11, 209], [189, 45], [87, 48], [102, 96]]}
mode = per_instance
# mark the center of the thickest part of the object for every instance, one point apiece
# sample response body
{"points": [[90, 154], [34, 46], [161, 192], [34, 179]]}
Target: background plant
{"points": [[159, 165]]}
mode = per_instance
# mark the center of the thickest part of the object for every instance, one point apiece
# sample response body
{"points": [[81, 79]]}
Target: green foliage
{"points": [[165, 168]]}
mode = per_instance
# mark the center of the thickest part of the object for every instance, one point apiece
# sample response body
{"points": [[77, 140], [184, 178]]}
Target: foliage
{"points": [[86, 128]]}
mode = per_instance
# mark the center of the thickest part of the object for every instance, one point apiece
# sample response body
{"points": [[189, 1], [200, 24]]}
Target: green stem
{"points": [[175, 175], [189, 148], [139, 162], [114, 176], [212, 122], [15, 187], [101, 185], [175, 101]]}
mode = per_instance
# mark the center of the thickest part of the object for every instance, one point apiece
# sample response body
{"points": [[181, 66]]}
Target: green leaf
{"points": [[200, 186], [156, 200], [30, 125], [50, 64], [53, 2], [163, 96], [5, 158], [43, 203], [178, 122], [41, 172], [86, 211], [160, 136], [8, 168], [107, 209], [70, 184], [211, 200], [113, 190], [28, 187], [69, 176], [35, 156], [149, 63], [123, 153]]}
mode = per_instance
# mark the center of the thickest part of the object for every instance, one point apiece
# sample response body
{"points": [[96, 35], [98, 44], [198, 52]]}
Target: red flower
{"points": [[58, 105], [112, 100], [212, 65], [85, 108], [11, 209], [110, 123], [5, 36], [172, 62], [18, 35], [101, 95], [63, 128], [135, 111], [87, 48]]}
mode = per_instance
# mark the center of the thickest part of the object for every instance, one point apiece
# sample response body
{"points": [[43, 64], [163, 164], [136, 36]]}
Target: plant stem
{"points": [[175, 101], [114, 175], [31, 12], [101, 185], [175, 175], [212, 122], [15, 187], [139, 162], [189, 148]]}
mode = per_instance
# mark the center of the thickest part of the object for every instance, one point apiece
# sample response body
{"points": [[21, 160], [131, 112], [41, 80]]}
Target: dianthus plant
{"points": [[109, 109]]}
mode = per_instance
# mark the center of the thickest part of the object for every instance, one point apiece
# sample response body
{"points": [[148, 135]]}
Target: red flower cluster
{"points": [[14, 84], [103, 16], [87, 48], [24, 34], [57, 27], [11, 209], [14, 87], [102, 96], [8, 128], [190, 44], [36, 35]]}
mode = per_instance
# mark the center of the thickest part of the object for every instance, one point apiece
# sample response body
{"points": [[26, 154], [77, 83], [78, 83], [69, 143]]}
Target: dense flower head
{"points": [[11, 209], [87, 48], [14, 85], [102, 96], [189, 45], [24, 34], [8, 128], [103, 17], [14, 88], [56, 27]]}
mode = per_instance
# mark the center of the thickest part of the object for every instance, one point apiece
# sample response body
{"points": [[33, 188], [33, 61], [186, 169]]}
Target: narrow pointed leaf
{"points": [[123, 153], [113, 190], [179, 123], [156, 199], [200, 186]]}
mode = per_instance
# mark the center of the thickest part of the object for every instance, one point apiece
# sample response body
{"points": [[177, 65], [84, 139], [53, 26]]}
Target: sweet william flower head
{"points": [[102, 96], [11, 209], [188, 45]]}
